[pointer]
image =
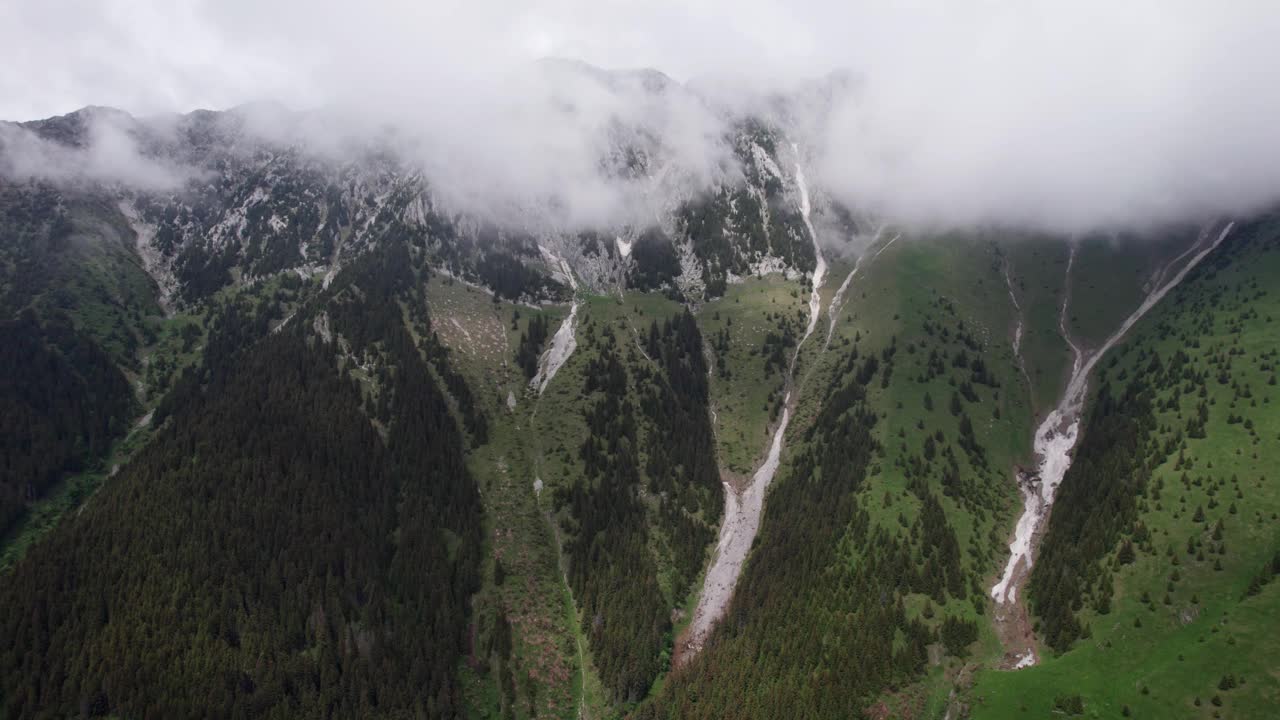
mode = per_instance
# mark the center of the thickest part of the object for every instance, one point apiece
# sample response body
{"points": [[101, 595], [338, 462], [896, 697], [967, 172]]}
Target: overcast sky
{"points": [[155, 55], [1068, 113]]}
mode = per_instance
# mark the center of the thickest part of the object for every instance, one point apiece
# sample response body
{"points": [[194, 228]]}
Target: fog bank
{"points": [[1055, 116]]}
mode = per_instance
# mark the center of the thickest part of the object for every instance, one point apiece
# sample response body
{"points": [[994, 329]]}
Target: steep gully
{"points": [[743, 507], [1017, 331], [1054, 440], [564, 341], [837, 301]]}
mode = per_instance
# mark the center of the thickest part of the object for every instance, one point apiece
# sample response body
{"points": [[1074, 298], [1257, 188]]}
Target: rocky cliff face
{"points": [[222, 198]]}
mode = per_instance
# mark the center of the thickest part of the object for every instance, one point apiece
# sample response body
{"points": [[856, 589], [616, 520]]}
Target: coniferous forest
{"points": [[284, 546], [820, 567], [62, 402], [612, 570], [271, 446]]}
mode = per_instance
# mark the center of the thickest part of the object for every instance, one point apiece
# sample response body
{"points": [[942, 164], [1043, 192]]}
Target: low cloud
{"points": [[106, 153], [1054, 116], [564, 143], [1067, 117]]}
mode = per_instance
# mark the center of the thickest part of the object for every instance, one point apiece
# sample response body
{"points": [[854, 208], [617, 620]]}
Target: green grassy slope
{"points": [[752, 331], [910, 527], [1180, 621], [943, 295], [522, 597], [1110, 276], [1037, 268]]}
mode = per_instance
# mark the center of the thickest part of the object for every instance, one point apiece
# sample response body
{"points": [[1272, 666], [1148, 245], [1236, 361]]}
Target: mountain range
{"points": [[306, 415]]}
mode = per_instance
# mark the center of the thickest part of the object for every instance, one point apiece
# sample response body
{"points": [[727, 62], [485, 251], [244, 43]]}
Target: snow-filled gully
{"points": [[564, 341], [742, 509], [1057, 434]]}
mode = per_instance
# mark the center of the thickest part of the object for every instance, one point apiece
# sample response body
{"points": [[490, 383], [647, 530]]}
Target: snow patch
{"points": [[737, 532], [820, 268], [690, 281], [321, 326], [624, 247], [153, 261], [763, 160], [1057, 435], [742, 512], [564, 342]]}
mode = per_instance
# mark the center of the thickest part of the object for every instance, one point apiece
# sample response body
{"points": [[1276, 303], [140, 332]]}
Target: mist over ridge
{"points": [[1049, 118]]}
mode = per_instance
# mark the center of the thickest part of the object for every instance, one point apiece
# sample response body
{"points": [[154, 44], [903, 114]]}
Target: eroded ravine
{"points": [[743, 508], [1018, 327], [565, 340], [563, 343], [1056, 437]]}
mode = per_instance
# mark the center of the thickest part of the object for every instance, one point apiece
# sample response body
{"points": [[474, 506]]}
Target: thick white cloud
{"points": [[1065, 115], [109, 155], [1071, 115]]}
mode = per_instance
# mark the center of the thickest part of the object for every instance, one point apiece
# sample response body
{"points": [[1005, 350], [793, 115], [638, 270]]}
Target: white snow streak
{"points": [[1057, 435], [153, 262], [837, 302], [737, 532], [742, 512], [892, 240], [564, 342], [820, 267], [1017, 331]]}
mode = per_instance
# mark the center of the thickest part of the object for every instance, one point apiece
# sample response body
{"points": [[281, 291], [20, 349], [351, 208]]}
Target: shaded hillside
{"points": [[289, 544]]}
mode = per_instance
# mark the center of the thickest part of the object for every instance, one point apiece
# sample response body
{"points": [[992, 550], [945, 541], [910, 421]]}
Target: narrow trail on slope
{"points": [[837, 300], [1054, 440], [742, 510]]}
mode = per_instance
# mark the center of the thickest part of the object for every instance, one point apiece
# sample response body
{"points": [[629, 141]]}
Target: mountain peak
{"points": [[648, 79]]}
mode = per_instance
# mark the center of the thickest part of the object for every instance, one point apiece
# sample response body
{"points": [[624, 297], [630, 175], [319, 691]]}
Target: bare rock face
{"points": [[216, 200]]}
